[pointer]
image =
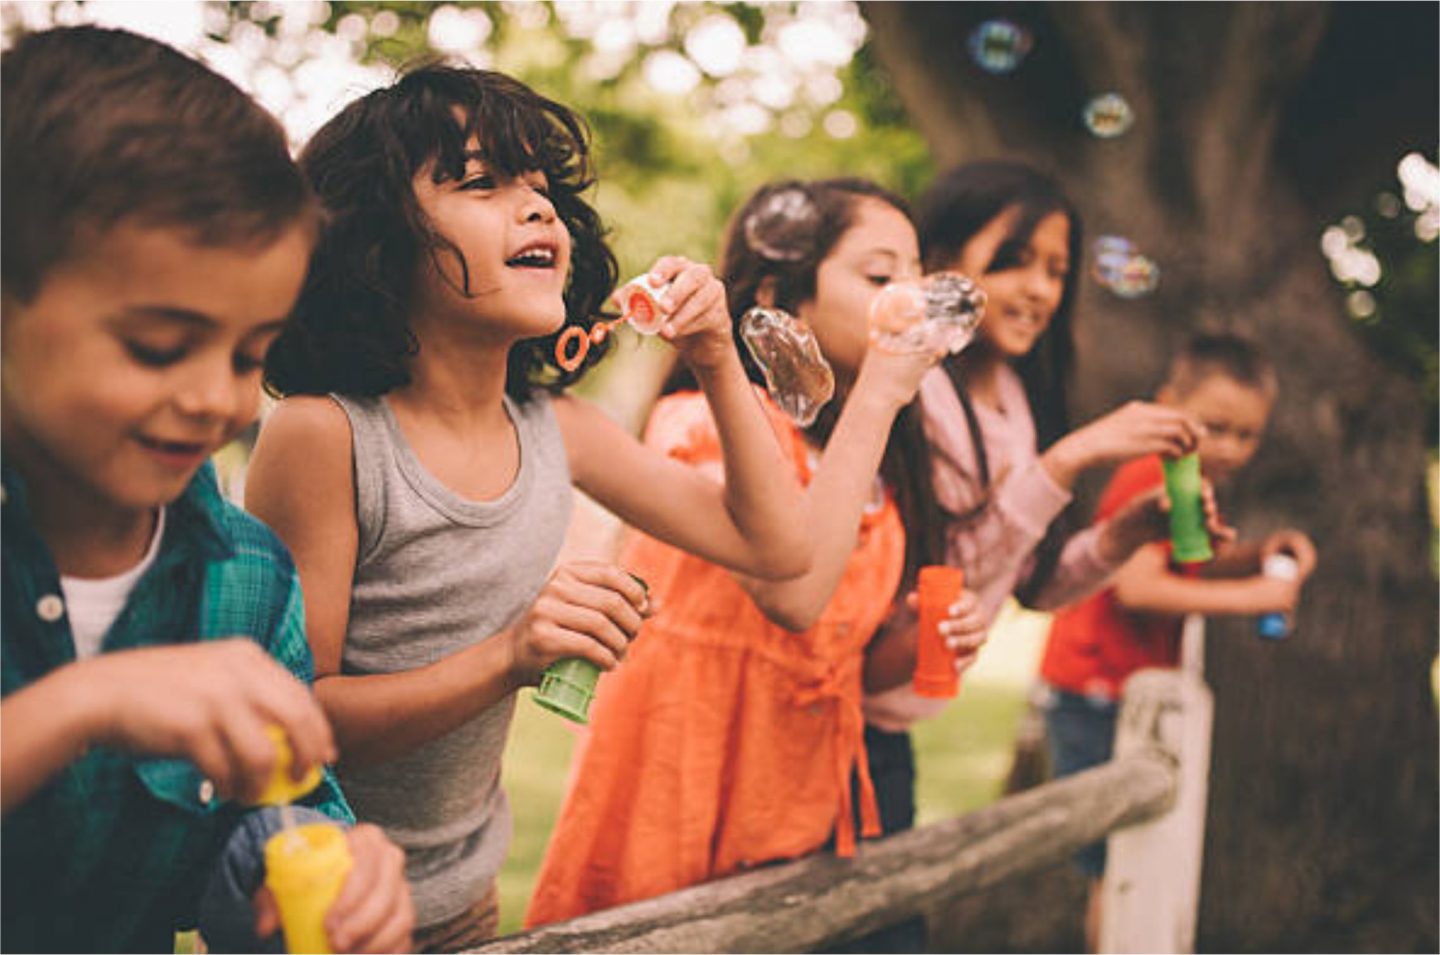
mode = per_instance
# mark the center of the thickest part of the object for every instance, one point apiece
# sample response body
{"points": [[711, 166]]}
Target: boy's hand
{"points": [[588, 609], [697, 321], [1145, 519], [373, 912], [1292, 542], [210, 703]]}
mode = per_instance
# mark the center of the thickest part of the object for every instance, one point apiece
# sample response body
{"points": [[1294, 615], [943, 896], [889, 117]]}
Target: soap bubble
{"points": [[938, 313], [782, 227], [797, 376], [998, 46], [1108, 115], [1139, 276], [1121, 268]]}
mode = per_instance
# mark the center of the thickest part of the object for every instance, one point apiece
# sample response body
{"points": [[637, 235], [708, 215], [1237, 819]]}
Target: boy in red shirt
{"points": [[1095, 644]]}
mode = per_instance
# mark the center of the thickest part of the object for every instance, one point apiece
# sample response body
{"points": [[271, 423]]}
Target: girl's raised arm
{"points": [[756, 522]]}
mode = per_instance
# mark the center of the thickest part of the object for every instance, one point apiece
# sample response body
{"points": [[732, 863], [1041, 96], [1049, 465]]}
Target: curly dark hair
{"points": [[351, 330]]}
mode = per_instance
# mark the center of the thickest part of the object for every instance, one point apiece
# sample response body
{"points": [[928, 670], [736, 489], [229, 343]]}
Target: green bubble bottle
{"points": [[567, 686], [1190, 542]]}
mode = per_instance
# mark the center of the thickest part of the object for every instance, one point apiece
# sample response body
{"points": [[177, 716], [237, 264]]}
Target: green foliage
{"points": [[667, 184]]}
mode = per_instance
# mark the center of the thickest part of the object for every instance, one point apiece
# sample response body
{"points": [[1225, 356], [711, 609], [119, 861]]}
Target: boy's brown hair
{"points": [[102, 125], [1222, 353]]}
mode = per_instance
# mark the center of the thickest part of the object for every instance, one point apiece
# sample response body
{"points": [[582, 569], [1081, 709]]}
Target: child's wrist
{"points": [[1063, 462]]}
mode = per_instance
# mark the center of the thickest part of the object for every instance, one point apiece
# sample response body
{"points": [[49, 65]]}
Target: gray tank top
{"points": [[436, 573]]}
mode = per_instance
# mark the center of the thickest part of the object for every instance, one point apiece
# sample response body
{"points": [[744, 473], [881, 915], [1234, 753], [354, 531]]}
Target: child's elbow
{"points": [[795, 615], [786, 563]]}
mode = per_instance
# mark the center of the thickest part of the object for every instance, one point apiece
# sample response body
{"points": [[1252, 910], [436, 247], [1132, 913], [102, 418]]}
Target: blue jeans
{"points": [[227, 919], [1080, 731]]}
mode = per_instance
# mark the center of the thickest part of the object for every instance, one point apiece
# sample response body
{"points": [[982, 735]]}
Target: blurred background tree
{"points": [[1276, 165]]}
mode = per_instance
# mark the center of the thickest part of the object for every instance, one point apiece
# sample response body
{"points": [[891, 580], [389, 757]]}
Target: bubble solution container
{"points": [[281, 789], [1276, 626], [305, 867], [567, 686], [935, 674], [1190, 542]]}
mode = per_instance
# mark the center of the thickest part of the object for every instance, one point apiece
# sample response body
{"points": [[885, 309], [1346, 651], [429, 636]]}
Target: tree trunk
{"points": [[1256, 124]]}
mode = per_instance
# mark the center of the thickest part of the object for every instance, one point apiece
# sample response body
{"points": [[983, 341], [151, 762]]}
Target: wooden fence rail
{"points": [[821, 900]]}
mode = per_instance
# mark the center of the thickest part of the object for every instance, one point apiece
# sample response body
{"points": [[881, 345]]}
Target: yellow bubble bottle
{"points": [[305, 866]]}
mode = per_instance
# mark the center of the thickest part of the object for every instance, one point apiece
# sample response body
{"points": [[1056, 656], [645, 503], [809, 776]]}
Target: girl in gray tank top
{"points": [[420, 466]]}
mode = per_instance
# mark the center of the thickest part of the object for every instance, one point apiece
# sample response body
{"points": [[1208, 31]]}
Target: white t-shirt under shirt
{"points": [[93, 603]]}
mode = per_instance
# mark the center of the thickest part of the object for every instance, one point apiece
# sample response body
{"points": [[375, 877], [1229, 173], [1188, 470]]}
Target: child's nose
{"points": [[536, 206], [209, 393]]}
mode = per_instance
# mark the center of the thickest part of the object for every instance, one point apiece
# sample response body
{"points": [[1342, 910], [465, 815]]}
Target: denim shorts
{"points": [[1080, 731]]}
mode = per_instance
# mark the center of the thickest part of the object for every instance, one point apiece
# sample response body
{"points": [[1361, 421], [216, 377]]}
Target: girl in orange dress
{"points": [[732, 736]]}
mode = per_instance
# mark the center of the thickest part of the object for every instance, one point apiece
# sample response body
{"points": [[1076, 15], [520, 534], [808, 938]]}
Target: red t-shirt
{"points": [[1096, 644]]}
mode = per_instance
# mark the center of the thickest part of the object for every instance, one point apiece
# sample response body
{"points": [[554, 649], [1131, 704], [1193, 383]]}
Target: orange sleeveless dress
{"points": [[723, 741]]}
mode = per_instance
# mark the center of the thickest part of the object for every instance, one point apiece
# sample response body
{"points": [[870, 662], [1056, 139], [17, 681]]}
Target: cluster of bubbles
{"points": [[782, 226], [797, 375], [999, 46], [1108, 115], [1120, 268], [938, 313]]}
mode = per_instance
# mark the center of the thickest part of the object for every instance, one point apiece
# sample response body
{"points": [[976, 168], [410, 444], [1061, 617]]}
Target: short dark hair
{"points": [[351, 329], [103, 125], [1230, 354]]}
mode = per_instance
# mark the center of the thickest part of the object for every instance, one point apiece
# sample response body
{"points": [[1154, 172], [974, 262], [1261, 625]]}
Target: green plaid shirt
{"points": [[112, 854]]}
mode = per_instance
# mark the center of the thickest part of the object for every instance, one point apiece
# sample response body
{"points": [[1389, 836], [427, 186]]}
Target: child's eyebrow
{"points": [[172, 315]]}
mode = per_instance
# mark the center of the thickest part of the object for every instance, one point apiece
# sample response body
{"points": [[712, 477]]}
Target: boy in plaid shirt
{"points": [[155, 236]]}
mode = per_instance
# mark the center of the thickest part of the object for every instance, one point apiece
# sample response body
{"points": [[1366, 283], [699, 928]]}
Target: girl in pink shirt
{"points": [[1005, 459]]}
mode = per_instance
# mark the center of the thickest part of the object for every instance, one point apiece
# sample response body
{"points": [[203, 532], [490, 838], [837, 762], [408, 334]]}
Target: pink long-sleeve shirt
{"points": [[995, 548]]}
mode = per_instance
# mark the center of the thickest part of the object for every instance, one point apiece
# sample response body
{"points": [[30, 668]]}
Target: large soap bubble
{"points": [[999, 46], [797, 375], [938, 314]]}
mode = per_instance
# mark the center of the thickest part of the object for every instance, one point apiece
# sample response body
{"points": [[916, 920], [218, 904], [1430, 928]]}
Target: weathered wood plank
{"points": [[821, 900]]}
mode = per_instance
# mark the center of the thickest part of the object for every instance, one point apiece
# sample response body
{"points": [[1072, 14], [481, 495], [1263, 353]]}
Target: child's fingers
{"points": [[667, 267], [374, 906], [599, 574], [596, 629], [251, 752]]}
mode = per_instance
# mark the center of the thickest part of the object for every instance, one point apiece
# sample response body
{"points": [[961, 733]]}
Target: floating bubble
{"points": [[998, 46], [1139, 276], [797, 376], [1108, 115], [782, 227], [1111, 254], [1121, 268], [938, 314]]}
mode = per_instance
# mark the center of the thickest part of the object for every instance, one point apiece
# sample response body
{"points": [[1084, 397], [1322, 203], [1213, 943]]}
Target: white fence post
{"points": [[1151, 891]]}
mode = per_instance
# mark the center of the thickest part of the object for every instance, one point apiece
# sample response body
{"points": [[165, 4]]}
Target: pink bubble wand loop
{"points": [[641, 302]]}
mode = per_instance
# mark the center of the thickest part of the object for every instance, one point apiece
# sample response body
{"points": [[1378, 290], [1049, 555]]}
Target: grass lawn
{"points": [[963, 754]]}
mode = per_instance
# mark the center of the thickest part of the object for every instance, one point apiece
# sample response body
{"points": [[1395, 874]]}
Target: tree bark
{"points": [[1322, 826]]}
